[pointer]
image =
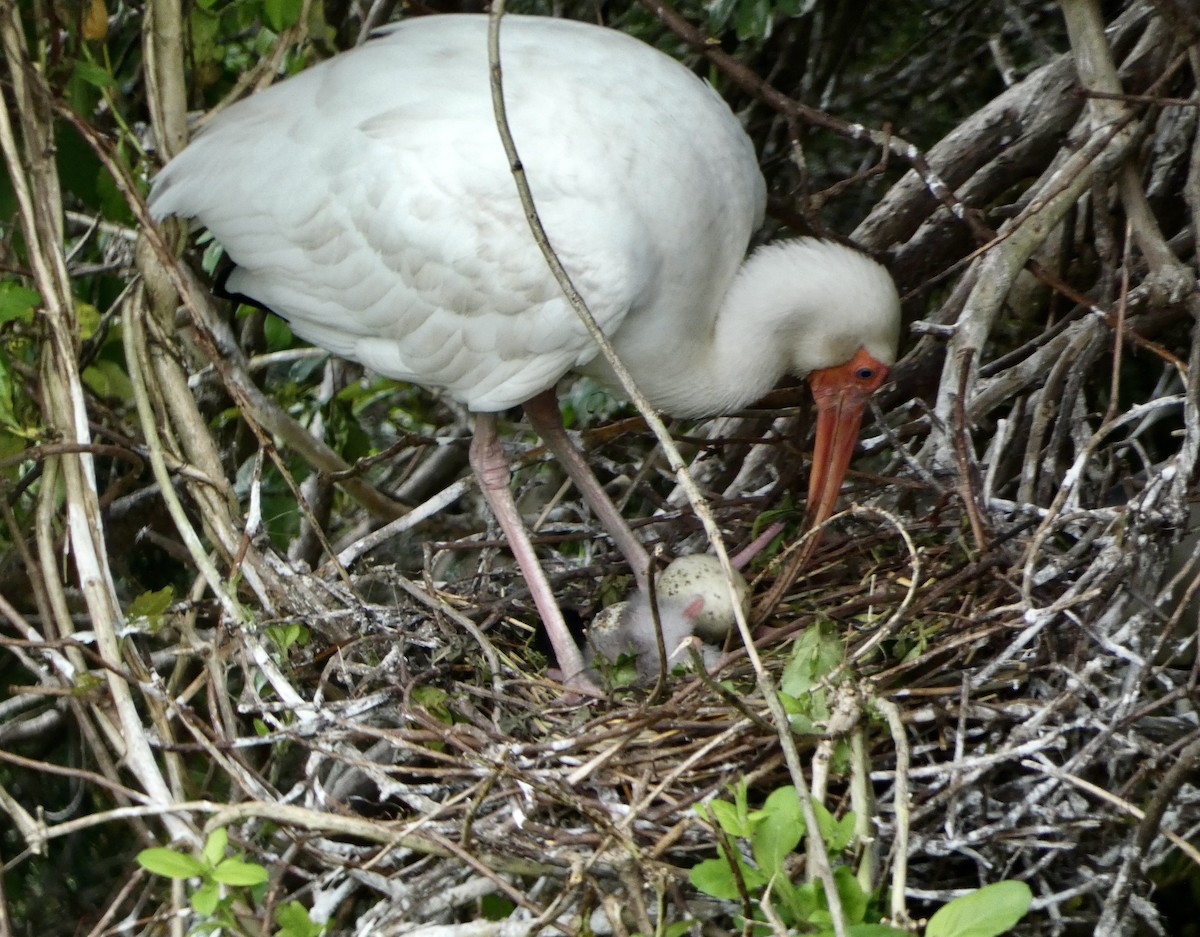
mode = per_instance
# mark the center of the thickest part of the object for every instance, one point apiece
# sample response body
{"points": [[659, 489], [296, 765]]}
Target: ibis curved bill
{"points": [[840, 394], [369, 202]]}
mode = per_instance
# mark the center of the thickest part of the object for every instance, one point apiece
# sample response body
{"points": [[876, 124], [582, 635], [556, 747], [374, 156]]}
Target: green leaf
{"points": [[286, 636], [794, 903], [236, 872], [678, 929], [753, 19], [854, 899], [814, 655], [169, 863], [17, 302], [214, 846], [111, 199], [206, 898], [986, 912], [719, 12], [779, 832], [293, 921], [733, 817], [8, 416], [714, 877], [94, 75], [804, 901], [435, 701], [149, 608], [88, 317], [108, 379], [278, 334], [875, 930], [836, 834], [496, 907], [729, 818], [282, 13]]}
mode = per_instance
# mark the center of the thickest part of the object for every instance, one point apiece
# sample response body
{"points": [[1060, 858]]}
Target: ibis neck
{"points": [[753, 338], [794, 307], [744, 358]]}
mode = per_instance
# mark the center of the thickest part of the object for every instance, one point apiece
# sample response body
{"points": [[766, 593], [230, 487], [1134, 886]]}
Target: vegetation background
{"points": [[997, 674]]}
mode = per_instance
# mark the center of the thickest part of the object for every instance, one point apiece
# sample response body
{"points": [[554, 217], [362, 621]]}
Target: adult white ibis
{"points": [[368, 201]]}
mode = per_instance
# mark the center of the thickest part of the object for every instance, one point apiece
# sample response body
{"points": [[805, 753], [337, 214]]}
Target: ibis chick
{"points": [[694, 609]]}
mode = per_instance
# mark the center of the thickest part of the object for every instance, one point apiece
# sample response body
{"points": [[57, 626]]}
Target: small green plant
{"points": [[222, 880], [772, 834], [293, 921], [816, 653], [287, 636], [147, 610]]}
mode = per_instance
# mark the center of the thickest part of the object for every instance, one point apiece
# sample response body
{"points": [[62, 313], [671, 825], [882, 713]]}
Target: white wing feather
{"points": [[368, 200]]}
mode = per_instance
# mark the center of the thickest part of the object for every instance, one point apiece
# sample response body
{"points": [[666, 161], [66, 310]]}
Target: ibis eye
{"points": [[864, 374]]}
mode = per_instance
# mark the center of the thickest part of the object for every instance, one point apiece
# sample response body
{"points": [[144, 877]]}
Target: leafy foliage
{"points": [[225, 882], [775, 830]]}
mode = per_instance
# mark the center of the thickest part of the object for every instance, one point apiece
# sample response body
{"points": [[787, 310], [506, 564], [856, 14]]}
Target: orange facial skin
{"points": [[840, 394]]}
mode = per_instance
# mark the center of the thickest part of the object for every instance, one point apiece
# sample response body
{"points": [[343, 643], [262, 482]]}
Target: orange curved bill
{"points": [[840, 394]]}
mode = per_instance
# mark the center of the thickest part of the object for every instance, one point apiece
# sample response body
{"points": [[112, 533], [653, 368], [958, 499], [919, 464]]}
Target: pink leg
{"points": [[755, 547], [544, 415], [491, 468]]}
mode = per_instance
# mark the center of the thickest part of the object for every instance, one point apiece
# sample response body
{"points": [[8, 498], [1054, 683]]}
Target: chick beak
{"points": [[840, 394]]}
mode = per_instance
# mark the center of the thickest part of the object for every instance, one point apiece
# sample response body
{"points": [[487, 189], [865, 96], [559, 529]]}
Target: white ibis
{"points": [[692, 598], [628, 628], [699, 576], [368, 201]]}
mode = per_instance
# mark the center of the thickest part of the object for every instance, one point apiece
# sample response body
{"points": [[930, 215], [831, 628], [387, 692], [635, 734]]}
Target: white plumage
{"points": [[375, 184], [368, 201]]}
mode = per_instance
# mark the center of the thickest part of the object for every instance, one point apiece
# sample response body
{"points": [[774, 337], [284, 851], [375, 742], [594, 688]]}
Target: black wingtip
{"points": [[225, 268]]}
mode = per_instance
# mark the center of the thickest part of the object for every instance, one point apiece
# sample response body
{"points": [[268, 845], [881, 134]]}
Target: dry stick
{"points": [[818, 856], [441, 607], [166, 93], [103, 926], [269, 419], [999, 267], [1114, 391], [234, 541], [1094, 63], [862, 802], [1149, 825], [30, 828], [891, 712], [988, 238], [135, 354], [65, 408], [67, 672], [1072, 477], [371, 830], [166, 88], [262, 415], [753, 83], [967, 466], [1174, 778], [464, 856]]}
